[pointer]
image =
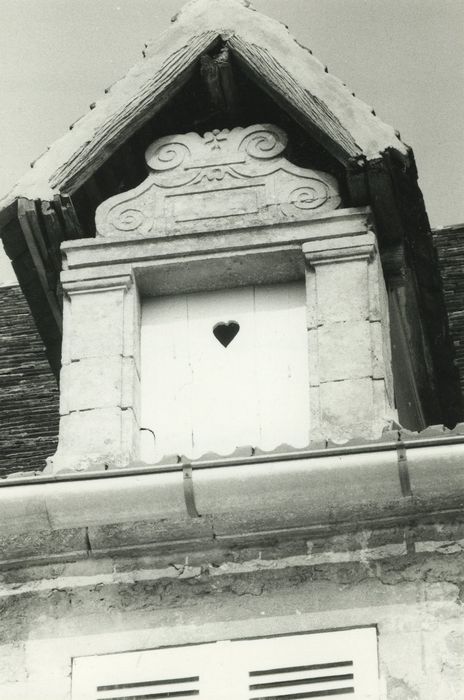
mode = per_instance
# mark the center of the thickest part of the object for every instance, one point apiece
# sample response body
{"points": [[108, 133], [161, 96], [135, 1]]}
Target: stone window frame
{"points": [[104, 280]]}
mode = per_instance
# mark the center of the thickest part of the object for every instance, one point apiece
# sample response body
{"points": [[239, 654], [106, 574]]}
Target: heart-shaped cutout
{"points": [[226, 332]]}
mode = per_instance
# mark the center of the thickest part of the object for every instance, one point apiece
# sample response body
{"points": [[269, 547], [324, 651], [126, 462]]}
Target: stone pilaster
{"points": [[351, 392], [100, 375]]}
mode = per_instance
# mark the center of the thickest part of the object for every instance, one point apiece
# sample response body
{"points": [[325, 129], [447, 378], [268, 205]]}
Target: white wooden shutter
{"points": [[199, 396], [316, 665], [162, 673]]}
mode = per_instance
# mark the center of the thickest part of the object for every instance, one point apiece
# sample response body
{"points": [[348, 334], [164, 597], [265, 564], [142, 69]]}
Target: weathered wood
{"points": [[218, 77], [394, 264], [382, 199], [357, 186], [12, 237], [29, 223], [27, 216], [150, 98], [71, 222], [55, 234], [305, 108]]}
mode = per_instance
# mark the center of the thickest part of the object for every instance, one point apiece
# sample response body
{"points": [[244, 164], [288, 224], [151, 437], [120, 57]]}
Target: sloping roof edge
{"points": [[262, 43]]}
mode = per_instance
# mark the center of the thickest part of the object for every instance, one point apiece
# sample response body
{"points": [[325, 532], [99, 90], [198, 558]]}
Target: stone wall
{"points": [[409, 583]]}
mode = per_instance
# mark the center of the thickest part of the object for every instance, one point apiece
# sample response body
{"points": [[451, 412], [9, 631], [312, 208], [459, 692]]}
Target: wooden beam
{"points": [[217, 74], [383, 202], [27, 216], [55, 234], [71, 224]]}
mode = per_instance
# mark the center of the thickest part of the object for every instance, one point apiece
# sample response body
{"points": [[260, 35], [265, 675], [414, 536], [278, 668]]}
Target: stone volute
{"points": [[221, 211]]}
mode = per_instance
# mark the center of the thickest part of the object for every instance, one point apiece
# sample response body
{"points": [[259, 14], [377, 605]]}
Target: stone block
{"points": [[100, 438], [99, 383], [347, 409], [383, 410], [315, 413], [344, 351], [144, 535], [378, 299], [312, 313], [377, 350], [342, 291], [95, 324], [43, 545], [313, 357]]}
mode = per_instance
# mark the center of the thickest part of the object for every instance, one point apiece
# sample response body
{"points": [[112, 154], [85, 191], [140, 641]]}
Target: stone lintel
{"points": [[122, 252]]}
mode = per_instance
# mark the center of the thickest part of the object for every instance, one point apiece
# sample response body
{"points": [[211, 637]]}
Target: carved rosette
{"points": [[221, 180]]}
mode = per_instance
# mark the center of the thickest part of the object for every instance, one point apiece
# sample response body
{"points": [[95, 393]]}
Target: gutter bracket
{"points": [[189, 494], [403, 471]]}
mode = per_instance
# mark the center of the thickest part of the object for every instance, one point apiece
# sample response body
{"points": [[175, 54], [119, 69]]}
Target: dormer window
{"points": [[227, 302]]}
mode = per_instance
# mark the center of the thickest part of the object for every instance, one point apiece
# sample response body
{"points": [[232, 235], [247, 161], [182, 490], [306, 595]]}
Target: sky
{"points": [[403, 57]]}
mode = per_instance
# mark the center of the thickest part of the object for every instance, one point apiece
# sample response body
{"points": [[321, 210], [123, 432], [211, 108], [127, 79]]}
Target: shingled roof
{"points": [[28, 390], [449, 242], [262, 44]]}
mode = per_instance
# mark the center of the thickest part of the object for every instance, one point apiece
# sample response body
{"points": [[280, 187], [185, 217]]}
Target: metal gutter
{"points": [[236, 498], [253, 459]]}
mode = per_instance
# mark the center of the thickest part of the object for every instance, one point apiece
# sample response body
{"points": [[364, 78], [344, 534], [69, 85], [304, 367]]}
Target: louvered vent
{"points": [[313, 681], [159, 689], [316, 665]]}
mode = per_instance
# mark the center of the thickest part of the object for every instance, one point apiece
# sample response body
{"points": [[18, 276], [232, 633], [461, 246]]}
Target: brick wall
{"points": [[28, 390]]}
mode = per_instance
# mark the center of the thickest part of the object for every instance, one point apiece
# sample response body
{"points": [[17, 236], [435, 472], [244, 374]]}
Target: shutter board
{"points": [[199, 396], [155, 674], [159, 688], [313, 665]]}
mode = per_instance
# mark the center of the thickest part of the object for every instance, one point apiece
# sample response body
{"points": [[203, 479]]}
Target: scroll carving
{"points": [[221, 180]]}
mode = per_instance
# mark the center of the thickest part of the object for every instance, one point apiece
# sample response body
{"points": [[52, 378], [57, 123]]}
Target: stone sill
{"points": [[183, 506]]}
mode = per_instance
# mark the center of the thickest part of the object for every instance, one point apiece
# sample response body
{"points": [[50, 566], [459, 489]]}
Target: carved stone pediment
{"points": [[221, 180]]}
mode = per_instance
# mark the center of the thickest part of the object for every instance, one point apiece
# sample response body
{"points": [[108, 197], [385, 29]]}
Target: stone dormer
{"points": [[230, 300], [265, 176]]}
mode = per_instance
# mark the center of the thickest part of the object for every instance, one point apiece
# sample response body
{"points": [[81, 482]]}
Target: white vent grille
{"points": [[317, 665], [314, 681], [160, 688]]}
